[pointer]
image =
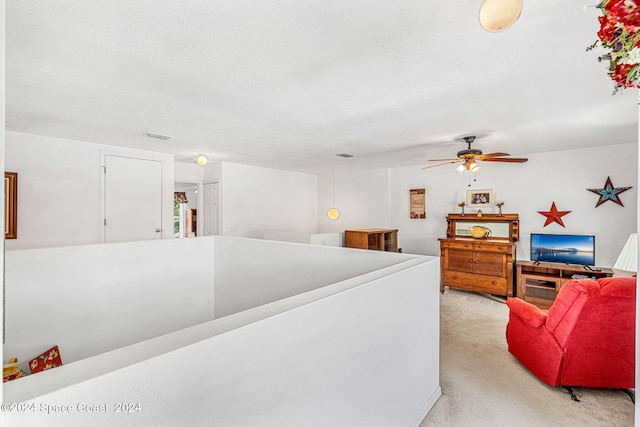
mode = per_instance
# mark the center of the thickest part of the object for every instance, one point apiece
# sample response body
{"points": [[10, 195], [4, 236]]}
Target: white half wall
{"points": [[361, 351], [252, 272], [96, 298], [325, 239]]}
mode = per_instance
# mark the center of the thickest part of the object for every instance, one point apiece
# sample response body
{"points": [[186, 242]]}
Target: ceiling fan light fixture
{"points": [[474, 168], [498, 15], [460, 169]]}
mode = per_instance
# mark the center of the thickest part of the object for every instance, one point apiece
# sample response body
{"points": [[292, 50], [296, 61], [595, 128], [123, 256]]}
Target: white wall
{"points": [[2, 168], [255, 200], [59, 189], [361, 196], [561, 176], [188, 172]]}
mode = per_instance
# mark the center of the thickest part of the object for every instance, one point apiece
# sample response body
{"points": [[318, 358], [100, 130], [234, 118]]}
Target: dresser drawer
{"points": [[478, 245], [493, 247], [459, 244], [475, 282]]}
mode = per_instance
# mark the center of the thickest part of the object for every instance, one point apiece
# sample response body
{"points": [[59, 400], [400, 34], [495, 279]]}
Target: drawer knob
{"points": [[494, 283]]}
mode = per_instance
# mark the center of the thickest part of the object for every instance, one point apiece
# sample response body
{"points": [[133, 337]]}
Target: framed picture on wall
{"points": [[11, 205], [417, 203], [480, 198]]}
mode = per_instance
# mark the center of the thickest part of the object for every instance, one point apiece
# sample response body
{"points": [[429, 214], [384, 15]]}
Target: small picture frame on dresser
{"points": [[480, 198]]}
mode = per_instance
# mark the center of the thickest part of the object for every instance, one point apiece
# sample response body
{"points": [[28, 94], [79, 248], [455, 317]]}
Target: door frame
{"points": [[166, 186], [219, 202]]}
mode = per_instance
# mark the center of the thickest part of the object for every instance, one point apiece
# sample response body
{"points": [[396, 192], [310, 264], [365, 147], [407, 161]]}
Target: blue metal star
{"points": [[609, 193]]}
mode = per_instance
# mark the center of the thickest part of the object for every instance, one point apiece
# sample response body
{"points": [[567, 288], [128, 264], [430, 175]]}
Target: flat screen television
{"points": [[566, 248]]}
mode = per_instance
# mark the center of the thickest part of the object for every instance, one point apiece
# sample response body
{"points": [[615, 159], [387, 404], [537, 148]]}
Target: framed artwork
{"points": [[11, 205], [417, 203], [480, 198]]}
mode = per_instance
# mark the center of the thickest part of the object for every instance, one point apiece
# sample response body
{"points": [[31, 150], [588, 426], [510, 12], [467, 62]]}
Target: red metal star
{"points": [[554, 215]]}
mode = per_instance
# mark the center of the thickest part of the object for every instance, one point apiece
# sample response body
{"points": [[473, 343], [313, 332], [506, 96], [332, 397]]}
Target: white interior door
{"points": [[211, 209], [133, 199]]}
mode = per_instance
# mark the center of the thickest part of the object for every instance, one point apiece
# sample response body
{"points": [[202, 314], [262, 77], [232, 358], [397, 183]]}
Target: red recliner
{"points": [[586, 339]]}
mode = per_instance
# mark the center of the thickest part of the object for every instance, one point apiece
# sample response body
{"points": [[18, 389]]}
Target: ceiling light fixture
{"points": [[333, 213], [202, 160], [498, 15]]}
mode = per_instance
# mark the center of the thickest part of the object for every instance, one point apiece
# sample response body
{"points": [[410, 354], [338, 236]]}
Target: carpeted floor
{"points": [[484, 385]]}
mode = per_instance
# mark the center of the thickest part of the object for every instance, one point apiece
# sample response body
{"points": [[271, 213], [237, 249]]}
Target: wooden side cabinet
{"points": [[378, 239], [540, 282]]}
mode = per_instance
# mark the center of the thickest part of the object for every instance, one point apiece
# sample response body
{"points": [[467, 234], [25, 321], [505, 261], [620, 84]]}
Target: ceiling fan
{"points": [[469, 157]]}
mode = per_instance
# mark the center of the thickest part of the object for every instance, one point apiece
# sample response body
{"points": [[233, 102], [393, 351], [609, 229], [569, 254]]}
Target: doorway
{"points": [[185, 210]]}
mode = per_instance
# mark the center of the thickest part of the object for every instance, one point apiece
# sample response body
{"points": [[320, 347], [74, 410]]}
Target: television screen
{"points": [[567, 248]]}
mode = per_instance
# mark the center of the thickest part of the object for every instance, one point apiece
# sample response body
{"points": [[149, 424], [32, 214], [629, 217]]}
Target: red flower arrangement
{"points": [[620, 32]]}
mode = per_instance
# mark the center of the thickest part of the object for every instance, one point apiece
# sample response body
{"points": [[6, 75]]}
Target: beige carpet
{"points": [[484, 385]]}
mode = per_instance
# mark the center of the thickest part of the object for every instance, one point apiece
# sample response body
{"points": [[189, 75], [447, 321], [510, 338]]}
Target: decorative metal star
{"points": [[609, 193], [554, 215]]}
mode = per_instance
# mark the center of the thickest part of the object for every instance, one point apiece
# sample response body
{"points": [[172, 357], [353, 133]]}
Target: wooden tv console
{"points": [[540, 282]]}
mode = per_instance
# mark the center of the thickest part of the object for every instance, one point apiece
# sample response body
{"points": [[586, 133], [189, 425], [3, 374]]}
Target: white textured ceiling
{"points": [[288, 84]]}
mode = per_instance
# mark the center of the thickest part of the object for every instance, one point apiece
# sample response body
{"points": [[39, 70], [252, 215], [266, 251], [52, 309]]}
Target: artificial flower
{"points": [[620, 34]]}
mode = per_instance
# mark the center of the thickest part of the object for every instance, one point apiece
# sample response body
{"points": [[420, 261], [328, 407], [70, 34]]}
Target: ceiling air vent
{"points": [[157, 136], [345, 155]]}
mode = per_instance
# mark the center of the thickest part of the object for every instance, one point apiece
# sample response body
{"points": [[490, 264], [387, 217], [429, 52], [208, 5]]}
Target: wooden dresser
{"points": [[481, 265]]}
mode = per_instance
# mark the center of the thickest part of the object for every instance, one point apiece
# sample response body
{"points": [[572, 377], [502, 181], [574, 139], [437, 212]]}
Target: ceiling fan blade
{"points": [[505, 159], [488, 155], [442, 164], [442, 160]]}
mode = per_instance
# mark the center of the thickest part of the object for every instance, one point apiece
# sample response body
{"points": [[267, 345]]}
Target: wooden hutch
{"points": [[479, 264]]}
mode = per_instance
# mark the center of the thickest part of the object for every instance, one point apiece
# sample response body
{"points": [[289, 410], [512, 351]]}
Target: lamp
{"points": [[498, 15], [333, 213], [627, 262], [202, 160]]}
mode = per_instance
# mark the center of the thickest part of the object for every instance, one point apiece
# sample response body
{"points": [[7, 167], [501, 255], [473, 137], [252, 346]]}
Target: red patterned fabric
{"points": [[586, 339], [47, 360]]}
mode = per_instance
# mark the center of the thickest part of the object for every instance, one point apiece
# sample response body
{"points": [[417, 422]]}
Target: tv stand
{"points": [[539, 282]]}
